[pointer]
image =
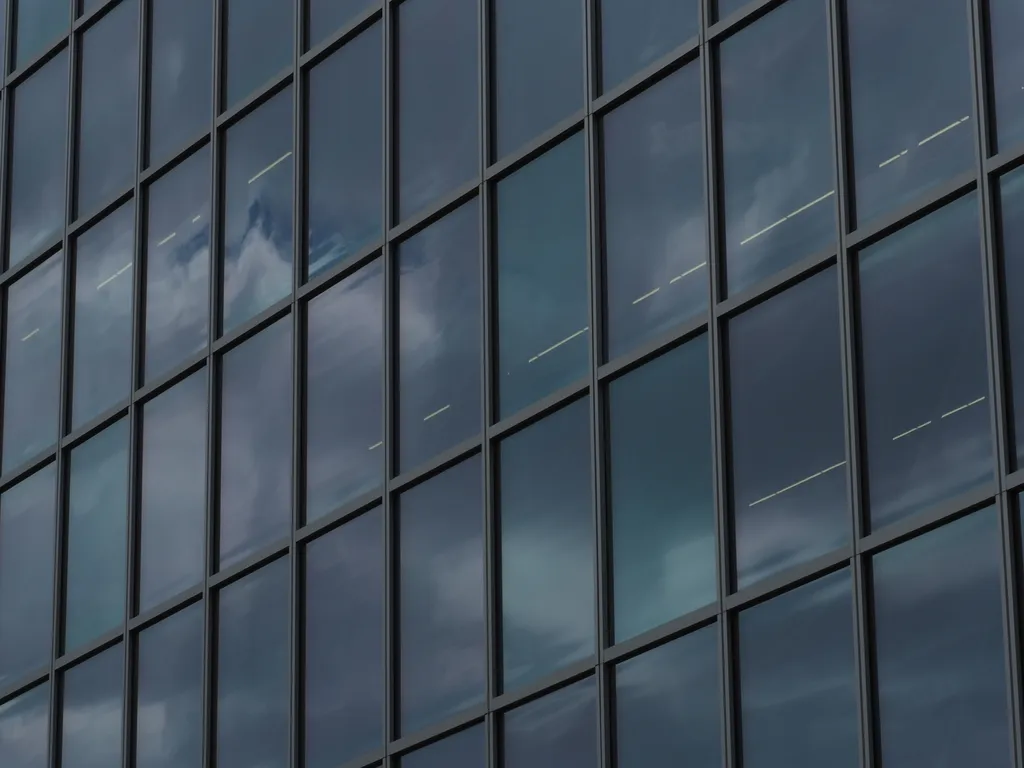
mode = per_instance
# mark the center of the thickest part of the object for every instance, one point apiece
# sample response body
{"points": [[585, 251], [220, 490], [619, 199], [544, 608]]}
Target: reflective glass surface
{"points": [[939, 666], [557, 731], [24, 729], [255, 443], [543, 307], [465, 749], [93, 707], [779, 177], [654, 230], [547, 550], [1011, 219], [40, 23], [329, 16], [661, 495], [344, 685], [1006, 20], [439, 344], [787, 437], [96, 544], [344, 407], [259, 38], [257, 238], [636, 33], [346, 152], [924, 366]]}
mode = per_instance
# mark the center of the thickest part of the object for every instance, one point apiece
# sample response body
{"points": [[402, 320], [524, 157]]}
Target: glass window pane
{"points": [[344, 404], [93, 710], [779, 198], [258, 211], [466, 749], [443, 637], [557, 731], [667, 705], [108, 103], [1006, 20], [726, 7], [32, 373], [172, 503], [909, 133], [439, 344], [547, 546], [787, 437], [259, 44], [256, 443], [344, 684], [178, 265], [38, 159], [27, 529], [798, 681], [169, 708], [329, 16], [636, 33], [942, 701], [96, 537], [1011, 221], [102, 329], [180, 74], [346, 153], [438, 92], [40, 23], [253, 688], [543, 302], [924, 364], [538, 68], [25, 729], [653, 187]]}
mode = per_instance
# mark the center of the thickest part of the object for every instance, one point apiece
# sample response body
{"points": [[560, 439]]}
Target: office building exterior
{"points": [[522, 383]]}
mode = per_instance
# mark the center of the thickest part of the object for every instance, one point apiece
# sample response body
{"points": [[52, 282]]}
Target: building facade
{"points": [[511, 383]]}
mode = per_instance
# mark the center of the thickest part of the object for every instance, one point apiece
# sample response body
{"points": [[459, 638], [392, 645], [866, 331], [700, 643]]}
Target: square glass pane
{"points": [[655, 252], [661, 494], [543, 295], [256, 443], [787, 436], [439, 336], [465, 749], [1006, 20], [257, 235], [38, 159], [104, 257], [636, 33], [345, 148], [178, 265], [1011, 221], [924, 364], [172, 501], [344, 383], [557, 731], [326, 17], [28, 523], [259, 40], [32, 371], [169, 705], [779, 183], [344, 685], [96, 545], [538, 68], [798, 678], [547, 546], [667, 705], [443, 637], [25, 729], [93, 711], [942, 701], [437, 99], [180, 74], [40, 23], [912, 105], [253, 669], [108, 107]]}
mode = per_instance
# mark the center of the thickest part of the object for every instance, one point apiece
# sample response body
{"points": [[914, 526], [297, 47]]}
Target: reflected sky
{"points": [[1006, 20], [329, 16], [259, 37], [636, 33], [556, 731], [93, 709], [1011, 218], [24, 729], [40, 22], [465, 749]]}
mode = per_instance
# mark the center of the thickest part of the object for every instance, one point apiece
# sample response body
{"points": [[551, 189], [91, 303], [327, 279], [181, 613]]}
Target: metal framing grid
{"points": [[699, 52]]}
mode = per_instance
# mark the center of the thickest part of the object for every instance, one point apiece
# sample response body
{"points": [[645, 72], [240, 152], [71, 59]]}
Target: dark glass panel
{"points": [[344, 686], [253, 669], [25, 729], [543, 303], [96, 537], [327, 17], [344, 406], [40, 23], [1006, 21], [259, 39], [256, 443], [346, 152], [636, 33], [939, 654], [557, 731], [779, 200], [654, 245], [787, 437], [465, 749], [1011, 219], [439, 336], [924, 365], [547, 547], [726, 7], [93, 711], [257, 236]]}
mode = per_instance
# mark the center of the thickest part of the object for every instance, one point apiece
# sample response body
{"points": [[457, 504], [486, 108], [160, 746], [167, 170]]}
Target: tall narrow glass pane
{"points": [[465, 749], [93, 710], [1006, 20], [327, 17], [547, 546], [25, 729], [636, 33], [1011, 220], [40, 23], [259, 39], [557, 731]]}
